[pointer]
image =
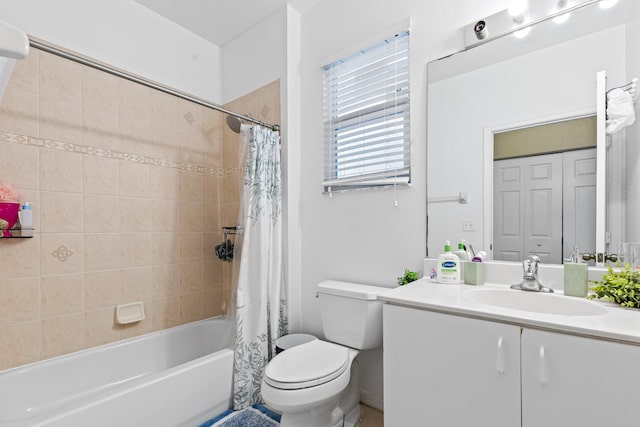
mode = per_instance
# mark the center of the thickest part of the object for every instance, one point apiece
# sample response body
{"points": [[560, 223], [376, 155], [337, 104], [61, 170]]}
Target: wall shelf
{"points": [[17, 234]]}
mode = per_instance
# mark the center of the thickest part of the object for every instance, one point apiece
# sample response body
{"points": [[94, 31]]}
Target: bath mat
{"points": [[255, 416]]}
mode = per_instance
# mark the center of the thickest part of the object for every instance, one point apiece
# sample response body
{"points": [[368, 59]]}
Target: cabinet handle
{"points": [[501, 357], [543, 372]]}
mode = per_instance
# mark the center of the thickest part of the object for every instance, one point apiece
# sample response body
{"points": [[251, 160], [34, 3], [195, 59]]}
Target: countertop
{"points": [[616, 323]]}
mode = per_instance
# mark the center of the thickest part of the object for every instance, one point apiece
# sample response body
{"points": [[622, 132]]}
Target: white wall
{"points": [[125, 34], [361, 236], [268, 52], [292, 168], [556, 81], [255, 58]]}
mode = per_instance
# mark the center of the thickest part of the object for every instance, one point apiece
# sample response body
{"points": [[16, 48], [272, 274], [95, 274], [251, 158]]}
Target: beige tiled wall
{"points": [[129, 187], [262, 104]]}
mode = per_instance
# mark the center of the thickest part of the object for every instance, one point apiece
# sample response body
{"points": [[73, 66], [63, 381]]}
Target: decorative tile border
{"points": [[231, 171], [16, 138]]}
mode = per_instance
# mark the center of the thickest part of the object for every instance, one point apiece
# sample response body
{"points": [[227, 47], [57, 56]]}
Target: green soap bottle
{"points": [[576, 277]]}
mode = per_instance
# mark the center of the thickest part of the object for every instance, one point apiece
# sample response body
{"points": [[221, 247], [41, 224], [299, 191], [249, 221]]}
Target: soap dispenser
{"points": [[576, 278]]}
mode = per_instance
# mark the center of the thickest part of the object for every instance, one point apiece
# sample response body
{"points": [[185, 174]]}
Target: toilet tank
{"points": [[351, 314]]}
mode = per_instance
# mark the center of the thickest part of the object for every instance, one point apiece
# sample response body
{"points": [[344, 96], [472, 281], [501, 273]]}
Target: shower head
{"points": [[234, 123]]}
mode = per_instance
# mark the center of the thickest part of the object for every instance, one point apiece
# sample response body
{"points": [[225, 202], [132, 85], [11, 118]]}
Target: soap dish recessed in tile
{"points": [[130, 313]]}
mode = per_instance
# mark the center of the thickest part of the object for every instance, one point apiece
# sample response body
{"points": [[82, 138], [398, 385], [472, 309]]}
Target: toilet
{"points": [[315, 384]]}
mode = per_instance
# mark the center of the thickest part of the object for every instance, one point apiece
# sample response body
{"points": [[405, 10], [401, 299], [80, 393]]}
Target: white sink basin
{"points": [[535, 302]]}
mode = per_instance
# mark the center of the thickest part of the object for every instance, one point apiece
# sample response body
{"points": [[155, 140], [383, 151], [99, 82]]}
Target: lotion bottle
{"points": [[448, 266]]}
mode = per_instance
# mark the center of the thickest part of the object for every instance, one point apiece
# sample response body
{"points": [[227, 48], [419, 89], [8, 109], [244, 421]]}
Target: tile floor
{"points": [[372, 417]]}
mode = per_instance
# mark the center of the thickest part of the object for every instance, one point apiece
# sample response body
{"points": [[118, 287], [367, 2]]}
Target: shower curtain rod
{"points": [[38, 44]]}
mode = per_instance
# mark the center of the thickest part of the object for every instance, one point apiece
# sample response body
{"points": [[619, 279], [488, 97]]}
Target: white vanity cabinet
{"points": [[576, 381], [449, 371], [445, 370]]}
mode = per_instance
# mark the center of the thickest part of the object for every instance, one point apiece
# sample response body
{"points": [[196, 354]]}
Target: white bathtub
{"points": [[176, 377]]}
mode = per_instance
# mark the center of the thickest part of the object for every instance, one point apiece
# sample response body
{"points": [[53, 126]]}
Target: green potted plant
{"points": [[619, 286], [408, 277]]}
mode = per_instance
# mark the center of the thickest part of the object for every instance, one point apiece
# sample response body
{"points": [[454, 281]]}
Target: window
{"points": [[366, 117]]}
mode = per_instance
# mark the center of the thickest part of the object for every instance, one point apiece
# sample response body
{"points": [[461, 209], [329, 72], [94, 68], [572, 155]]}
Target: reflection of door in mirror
{"points": [[544, 190]]}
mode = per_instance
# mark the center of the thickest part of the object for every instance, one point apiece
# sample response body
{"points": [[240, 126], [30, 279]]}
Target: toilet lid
{"points": [[307, 365]]}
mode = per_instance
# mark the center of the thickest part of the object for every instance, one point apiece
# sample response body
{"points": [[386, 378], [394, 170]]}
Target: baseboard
{"points": [[372, 399]]}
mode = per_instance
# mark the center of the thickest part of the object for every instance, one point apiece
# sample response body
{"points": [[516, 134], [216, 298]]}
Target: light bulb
{"points": [[560, 19], [606, 4], [517, 10], [520, 34]]}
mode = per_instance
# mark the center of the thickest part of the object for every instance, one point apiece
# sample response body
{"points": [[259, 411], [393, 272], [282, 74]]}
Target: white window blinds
{"points": [[366, 117]]}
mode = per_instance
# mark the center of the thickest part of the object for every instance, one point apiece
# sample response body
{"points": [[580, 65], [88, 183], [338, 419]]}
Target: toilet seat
{"points": [[307, 365]]}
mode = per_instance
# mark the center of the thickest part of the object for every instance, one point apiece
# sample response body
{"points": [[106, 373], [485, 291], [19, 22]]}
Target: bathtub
{"points": [[176, 377]]}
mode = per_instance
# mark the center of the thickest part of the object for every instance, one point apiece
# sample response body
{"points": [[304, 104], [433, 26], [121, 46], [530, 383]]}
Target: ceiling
{"points": [[221, 21]]}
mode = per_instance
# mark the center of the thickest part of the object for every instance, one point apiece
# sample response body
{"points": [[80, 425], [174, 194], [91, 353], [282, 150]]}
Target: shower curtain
{"points": [[261, 315]]}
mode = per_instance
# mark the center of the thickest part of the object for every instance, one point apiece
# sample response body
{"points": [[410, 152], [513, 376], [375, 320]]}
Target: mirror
{"points": [[509, 84]]}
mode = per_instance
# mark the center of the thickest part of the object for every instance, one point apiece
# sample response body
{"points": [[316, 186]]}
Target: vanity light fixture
{"points": [[522, 14]]}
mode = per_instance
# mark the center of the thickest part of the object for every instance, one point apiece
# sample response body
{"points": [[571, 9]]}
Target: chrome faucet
{"points": [[530, 280]]}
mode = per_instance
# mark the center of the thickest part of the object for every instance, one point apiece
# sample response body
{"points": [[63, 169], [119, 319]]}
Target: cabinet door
{"points": [[447, 371], [575, 381]]}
